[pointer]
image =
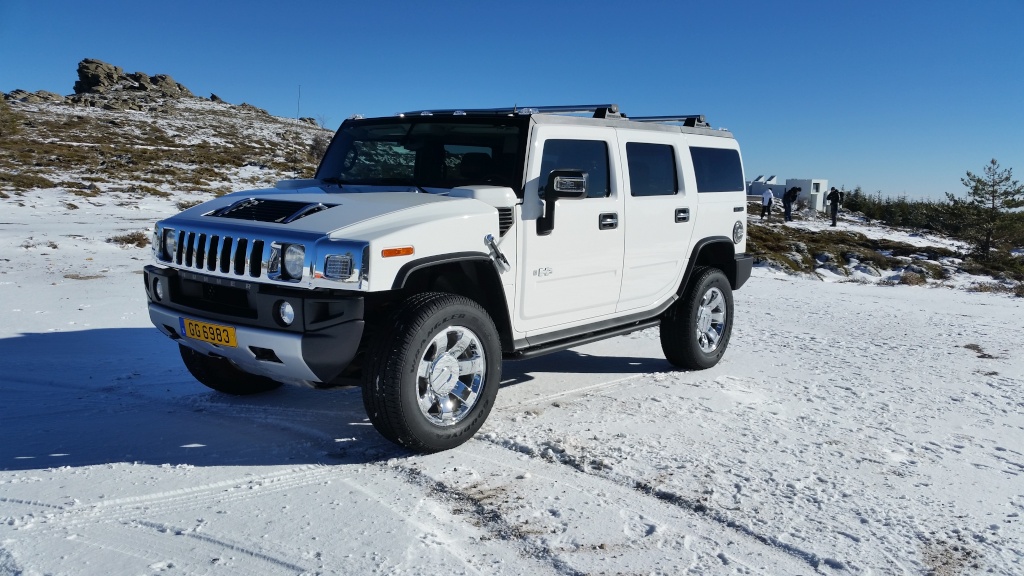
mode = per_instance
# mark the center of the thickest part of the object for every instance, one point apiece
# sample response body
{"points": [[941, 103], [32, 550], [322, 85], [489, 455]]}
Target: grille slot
{"points": [[505, 220], [219, 253]]}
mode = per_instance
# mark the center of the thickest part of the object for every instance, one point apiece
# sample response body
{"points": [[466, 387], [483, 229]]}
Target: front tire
{"points": [[695, 330], [222, 376], [432, 376]]}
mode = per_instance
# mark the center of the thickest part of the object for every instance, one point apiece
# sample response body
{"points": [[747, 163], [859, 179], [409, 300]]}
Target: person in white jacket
{"points": [[767, 199]]}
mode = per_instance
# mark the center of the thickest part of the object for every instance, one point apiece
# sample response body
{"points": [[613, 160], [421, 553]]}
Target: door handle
{"points": [[608, 221], [682, 215]]}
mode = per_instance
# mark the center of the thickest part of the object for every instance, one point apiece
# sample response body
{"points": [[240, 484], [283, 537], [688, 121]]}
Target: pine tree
{"points": [[989, 212]]}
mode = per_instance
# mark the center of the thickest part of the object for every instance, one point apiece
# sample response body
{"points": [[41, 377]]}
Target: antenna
{"points": [[298, 104]]}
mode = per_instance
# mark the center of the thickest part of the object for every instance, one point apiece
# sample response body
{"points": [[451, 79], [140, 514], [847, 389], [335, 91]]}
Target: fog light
{"points": [[286, 313], [158, 289]]}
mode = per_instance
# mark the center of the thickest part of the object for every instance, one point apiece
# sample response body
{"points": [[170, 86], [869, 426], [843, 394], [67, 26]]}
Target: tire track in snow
{"points": [[570, 553], [157, 545], [491, 519], [122, 510], [597, 470]]}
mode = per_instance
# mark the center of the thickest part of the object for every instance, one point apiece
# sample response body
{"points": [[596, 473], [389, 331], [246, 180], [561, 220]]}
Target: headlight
{"points": [[170, 243], [737, 232], [294, 259]]}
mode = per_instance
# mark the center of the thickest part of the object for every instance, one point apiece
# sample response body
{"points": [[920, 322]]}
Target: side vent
{"points": [[505, 220]]}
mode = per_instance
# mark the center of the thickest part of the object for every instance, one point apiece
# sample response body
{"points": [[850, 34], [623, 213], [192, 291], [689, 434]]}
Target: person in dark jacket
{"points": [[835, 198], [788, 198]]}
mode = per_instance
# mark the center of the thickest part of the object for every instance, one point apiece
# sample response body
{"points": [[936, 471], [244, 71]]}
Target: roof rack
{"points": [[691, 120], [598, 110]]}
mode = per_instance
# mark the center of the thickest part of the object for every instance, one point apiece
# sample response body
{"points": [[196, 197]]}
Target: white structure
{"points": [[812, 190]]}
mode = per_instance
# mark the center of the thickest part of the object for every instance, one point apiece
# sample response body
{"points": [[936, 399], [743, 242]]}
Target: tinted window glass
{"points": [[652, 169], [590, 156], [425, 153], [717, 169]]}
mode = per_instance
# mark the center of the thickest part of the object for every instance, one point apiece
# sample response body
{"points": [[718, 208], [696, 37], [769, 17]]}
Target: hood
{"points": [[313, 211]]}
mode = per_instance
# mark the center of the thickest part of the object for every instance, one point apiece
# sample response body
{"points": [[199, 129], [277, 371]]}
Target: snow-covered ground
{"points": [[851, 429]]}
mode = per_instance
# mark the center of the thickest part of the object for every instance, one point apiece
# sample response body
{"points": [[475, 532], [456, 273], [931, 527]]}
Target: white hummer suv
{"points": [[433, 245]]}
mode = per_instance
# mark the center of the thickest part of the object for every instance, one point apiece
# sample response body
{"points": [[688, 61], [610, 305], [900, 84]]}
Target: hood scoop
{"points": [[264, 210]]}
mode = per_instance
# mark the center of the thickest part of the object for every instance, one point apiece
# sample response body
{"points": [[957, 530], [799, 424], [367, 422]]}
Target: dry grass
{"points": [[138, 239], [778, 244], [112, 147]]}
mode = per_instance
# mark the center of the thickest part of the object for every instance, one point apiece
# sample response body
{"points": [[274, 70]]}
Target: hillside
{"points": [[116, 137]]}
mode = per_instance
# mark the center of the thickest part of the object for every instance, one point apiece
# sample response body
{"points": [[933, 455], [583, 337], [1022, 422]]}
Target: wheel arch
{"points": [[716, 252], [469, 274]]}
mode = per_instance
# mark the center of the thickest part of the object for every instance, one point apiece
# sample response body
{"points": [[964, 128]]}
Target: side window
{"points": [[591, 156], [652, 169], [717, 169]]}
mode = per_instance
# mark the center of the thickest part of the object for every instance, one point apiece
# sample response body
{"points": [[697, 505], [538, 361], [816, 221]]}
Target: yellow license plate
{"points": [[212, 333]]}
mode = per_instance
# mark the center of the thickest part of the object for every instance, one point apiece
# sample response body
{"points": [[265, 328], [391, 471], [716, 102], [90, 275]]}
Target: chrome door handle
{"points": [[608, 221]]}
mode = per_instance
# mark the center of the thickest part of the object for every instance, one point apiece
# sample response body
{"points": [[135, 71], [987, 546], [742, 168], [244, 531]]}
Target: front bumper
{"points": [[313, 350]]}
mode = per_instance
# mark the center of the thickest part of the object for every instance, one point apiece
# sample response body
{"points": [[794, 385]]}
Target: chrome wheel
{"points": [[711, 318], [451, 375]]}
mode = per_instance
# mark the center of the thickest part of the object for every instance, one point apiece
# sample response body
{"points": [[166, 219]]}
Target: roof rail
{"points": [[691, 120], [598, 110]]}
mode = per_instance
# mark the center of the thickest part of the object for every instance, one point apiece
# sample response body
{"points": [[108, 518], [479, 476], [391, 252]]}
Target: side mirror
{"points": [[568, 184]]}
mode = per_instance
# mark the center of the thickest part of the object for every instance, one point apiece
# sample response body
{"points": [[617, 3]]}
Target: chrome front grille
{"points": [[220, 253]]}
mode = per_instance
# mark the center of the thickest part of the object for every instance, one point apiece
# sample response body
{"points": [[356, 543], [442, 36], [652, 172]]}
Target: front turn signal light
{"points": [[400, 251]]}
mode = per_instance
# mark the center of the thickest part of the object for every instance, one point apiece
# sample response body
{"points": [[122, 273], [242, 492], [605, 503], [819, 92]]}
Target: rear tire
{"points": [[222, 376], [432, 375], [695, 330]]}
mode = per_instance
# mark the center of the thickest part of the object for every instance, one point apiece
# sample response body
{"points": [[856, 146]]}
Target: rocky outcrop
{"points": [[103, 85], [33, 97], [98, 77]]}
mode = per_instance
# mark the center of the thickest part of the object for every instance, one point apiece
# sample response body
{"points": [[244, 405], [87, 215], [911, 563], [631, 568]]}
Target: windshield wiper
{"points": [[334, 180]]}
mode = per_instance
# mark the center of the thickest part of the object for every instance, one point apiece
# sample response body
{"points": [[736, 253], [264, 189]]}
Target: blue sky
{"points": [[901, 97]]}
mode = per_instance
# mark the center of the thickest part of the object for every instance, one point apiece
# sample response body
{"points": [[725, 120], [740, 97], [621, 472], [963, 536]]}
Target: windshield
{"points": [[426, 153]]}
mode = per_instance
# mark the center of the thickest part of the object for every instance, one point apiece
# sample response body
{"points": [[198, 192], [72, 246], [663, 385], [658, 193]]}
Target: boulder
{"points": [[98, 77]]}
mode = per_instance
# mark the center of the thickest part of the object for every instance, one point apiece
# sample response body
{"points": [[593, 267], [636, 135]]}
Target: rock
{"points": [[215, 98], [250, 108], [869, 270], [49, 96], [98, 77]]}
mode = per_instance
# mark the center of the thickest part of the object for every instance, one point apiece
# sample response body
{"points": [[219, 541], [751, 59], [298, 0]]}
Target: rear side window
{"points": [[590, 156], [717, 169], [652, 169]]}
